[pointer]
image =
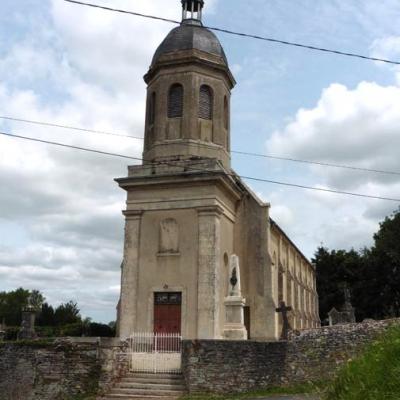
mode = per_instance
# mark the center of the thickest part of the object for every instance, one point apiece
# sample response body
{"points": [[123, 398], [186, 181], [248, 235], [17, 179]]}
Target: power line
{"points": [[175, 164], [323, 164], [68, 127], [295, 160], [247, 35], [106, 153]]}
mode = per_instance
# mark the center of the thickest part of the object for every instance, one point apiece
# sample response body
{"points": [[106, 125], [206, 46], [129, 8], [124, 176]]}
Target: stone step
{"points": [[150, 386], [147, 386], [150, 392], [164, 381], [143, 375], [152, 379]]}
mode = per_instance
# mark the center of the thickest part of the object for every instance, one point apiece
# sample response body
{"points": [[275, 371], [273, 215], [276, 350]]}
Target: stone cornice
{"points": [[132, 214], [215, 210], [187, 57], [182, 178]]}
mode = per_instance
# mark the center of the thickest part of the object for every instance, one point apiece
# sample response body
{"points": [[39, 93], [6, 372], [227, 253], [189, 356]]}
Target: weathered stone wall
{"points": [[313, 355], [59, 371]]}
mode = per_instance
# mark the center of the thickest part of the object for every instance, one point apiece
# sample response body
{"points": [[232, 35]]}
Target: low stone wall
{"points": [[68, 368], [310, 356], [61, 370]]}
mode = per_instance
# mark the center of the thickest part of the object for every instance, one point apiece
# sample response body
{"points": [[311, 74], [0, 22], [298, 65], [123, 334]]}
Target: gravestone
{"points": [[234, 328], [286, 328], [27, 330], [347, 315]]}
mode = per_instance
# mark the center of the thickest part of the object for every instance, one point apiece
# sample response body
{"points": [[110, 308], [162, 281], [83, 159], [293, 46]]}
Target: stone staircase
{"points": [[136, 386]]}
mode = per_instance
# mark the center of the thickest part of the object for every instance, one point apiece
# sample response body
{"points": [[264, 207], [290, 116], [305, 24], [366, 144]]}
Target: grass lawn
{"points": [[375, 375]]}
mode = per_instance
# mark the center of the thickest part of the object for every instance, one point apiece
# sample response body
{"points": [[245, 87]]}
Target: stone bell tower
{"points": [[188, 94], [180, 202]]}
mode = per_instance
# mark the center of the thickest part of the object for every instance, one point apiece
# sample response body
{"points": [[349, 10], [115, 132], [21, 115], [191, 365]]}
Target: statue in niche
{"points": [[234, 277], [169, 236]]}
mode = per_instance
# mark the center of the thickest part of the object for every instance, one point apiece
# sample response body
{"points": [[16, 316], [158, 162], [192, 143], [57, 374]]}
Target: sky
{"points": [[61, 227]]}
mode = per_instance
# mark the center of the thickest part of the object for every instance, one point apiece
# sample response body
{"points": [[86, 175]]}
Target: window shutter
{"points": [[175, 101], [205, 102], [152, 109], [226, 113]]}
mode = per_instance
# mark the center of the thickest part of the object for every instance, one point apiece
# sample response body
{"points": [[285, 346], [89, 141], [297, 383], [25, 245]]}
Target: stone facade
{"points": [[295, 281], [311, 356], [187, 212]]}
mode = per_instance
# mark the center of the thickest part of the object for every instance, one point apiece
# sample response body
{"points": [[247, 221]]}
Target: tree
{"points": [[67, 313], [335, 269], [12, 304], [373, 275], [36, 299], [385, 259], [46, 316]]}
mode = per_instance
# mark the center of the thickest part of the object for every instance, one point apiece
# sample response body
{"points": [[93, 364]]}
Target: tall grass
{"points": [[375, 375]]}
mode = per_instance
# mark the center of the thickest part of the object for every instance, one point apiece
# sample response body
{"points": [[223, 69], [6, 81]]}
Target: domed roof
{"points": [[190, 35]]}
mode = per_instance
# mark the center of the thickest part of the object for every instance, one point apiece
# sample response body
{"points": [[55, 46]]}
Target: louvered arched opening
{"points": [[226, 113], [175, 101], [206, 102], [152, 109]]}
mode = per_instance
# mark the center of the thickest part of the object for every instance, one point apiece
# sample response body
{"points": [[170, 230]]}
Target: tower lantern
{"points": [[192, 10]]}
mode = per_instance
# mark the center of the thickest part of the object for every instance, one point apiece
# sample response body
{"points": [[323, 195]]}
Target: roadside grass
{"points": [[375, 375], [310, 388]]}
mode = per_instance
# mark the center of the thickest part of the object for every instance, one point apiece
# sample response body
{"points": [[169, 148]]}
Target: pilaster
{"points": [[208, 272], [130, 272]]}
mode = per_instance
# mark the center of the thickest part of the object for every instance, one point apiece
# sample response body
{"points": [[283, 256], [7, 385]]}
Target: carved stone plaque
{"points": [[169, 236]]}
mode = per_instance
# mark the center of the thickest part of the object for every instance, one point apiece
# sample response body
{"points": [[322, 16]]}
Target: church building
{"points": [[188, 214]]}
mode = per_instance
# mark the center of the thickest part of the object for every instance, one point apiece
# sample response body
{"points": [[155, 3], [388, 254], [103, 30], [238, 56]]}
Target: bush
{"points": [[75, 329], [101, 330], [372, 376], [11, 333], [46, 331]]}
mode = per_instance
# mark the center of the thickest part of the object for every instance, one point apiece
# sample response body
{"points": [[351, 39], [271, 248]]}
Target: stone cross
{"points": [[285, 320], [347, 298]]}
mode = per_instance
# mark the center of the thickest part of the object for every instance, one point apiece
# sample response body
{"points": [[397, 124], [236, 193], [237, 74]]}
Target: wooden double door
{"points": [[167, 312]]}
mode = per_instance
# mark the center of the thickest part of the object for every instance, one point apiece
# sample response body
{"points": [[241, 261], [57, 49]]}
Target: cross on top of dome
{"points": [[192, 11]]}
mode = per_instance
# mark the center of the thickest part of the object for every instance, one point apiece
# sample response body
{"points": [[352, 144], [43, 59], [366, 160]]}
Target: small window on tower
{"points": [[205, 102], [175, 101], [152, 108]]}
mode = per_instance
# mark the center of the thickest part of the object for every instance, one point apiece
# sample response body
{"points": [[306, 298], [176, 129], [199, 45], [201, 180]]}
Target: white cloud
{"points": [[61, 210], [356, 127], [65, 201], [388, 48]]}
